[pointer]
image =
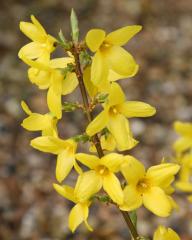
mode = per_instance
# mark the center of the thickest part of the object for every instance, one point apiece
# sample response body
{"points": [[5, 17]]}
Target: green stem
{"points": [[75, 51]]}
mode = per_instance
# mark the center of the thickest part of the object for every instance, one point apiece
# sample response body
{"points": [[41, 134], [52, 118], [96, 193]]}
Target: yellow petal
{"points": [[112, 161], [54, 102], [136, 109], [65, 162], [182, 144], [163, 233], [121, 62], [163, 174], [161, 206], [61, 62], [78, 214], [69, 83], [118, 125], [87, 185], [108, 142], [37, 122], [52, 130], [40, 64], [112, 186], [76, 217], [132, 199], [88, 160], [32, 31], [97, 124], [116, 95], [94, 39], [25, 108], [123, 35], [90, 87], [40, 78], [37, 24], [99, 71], [184, 129], [65, 191], [132, 169], [31, 50], [49, 144], [184, 186], [113, 76]]}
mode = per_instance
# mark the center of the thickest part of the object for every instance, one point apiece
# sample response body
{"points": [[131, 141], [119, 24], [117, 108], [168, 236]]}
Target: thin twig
{"points": [[75, 51]]}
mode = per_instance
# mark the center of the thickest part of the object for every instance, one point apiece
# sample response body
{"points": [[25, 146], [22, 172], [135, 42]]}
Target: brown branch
{"points": [[76, 51]]}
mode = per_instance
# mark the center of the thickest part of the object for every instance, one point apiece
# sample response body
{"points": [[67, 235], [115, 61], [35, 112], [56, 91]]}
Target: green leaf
{"points": [[85, 58], [101, 98], [74, 26], [69, 107], [81, 138], [61, 37]]}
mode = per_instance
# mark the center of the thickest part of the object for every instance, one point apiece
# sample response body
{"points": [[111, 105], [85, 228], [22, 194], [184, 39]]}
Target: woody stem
{"points": [[75, 51]]}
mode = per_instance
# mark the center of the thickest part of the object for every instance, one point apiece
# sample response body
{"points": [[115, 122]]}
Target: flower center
{"points": [[113, 111], [105, 46], [102, 170], [143, 185]]}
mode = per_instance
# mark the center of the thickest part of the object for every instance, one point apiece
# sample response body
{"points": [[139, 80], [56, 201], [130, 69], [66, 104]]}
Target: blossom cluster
{"points": [[97, 176], [183, 150]]}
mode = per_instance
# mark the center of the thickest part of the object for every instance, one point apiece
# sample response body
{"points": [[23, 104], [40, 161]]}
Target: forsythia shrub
{"points": [[97, 75]]}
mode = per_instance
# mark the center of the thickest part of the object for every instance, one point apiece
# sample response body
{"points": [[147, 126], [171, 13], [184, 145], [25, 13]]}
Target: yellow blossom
{"points": [[148, 187], [163, 233], [101, 175], [42, 43], [47, 73], [114, 115], [39, 122], [109, 53], [79, 213], [65, 151], [184, 143]]}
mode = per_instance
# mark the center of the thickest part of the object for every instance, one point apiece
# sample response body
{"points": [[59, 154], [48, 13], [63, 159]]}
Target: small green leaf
{"points": [[74, 26], [61, 37], [101, 98], [85, 58], [81, 138], [69, 107]]}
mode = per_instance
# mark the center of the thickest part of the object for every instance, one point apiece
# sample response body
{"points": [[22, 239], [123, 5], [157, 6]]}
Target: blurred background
{"points": [[29, 207]]}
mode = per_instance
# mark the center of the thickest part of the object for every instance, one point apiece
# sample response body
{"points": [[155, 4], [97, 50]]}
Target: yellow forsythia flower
{"points": [[185, 141], [45, 74], [65, 151], [148, 187], [42, 43], [184, 182], [163, 233], [39, 122], [101, 175], [114, 115], [79, 213], [109, 53]]}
